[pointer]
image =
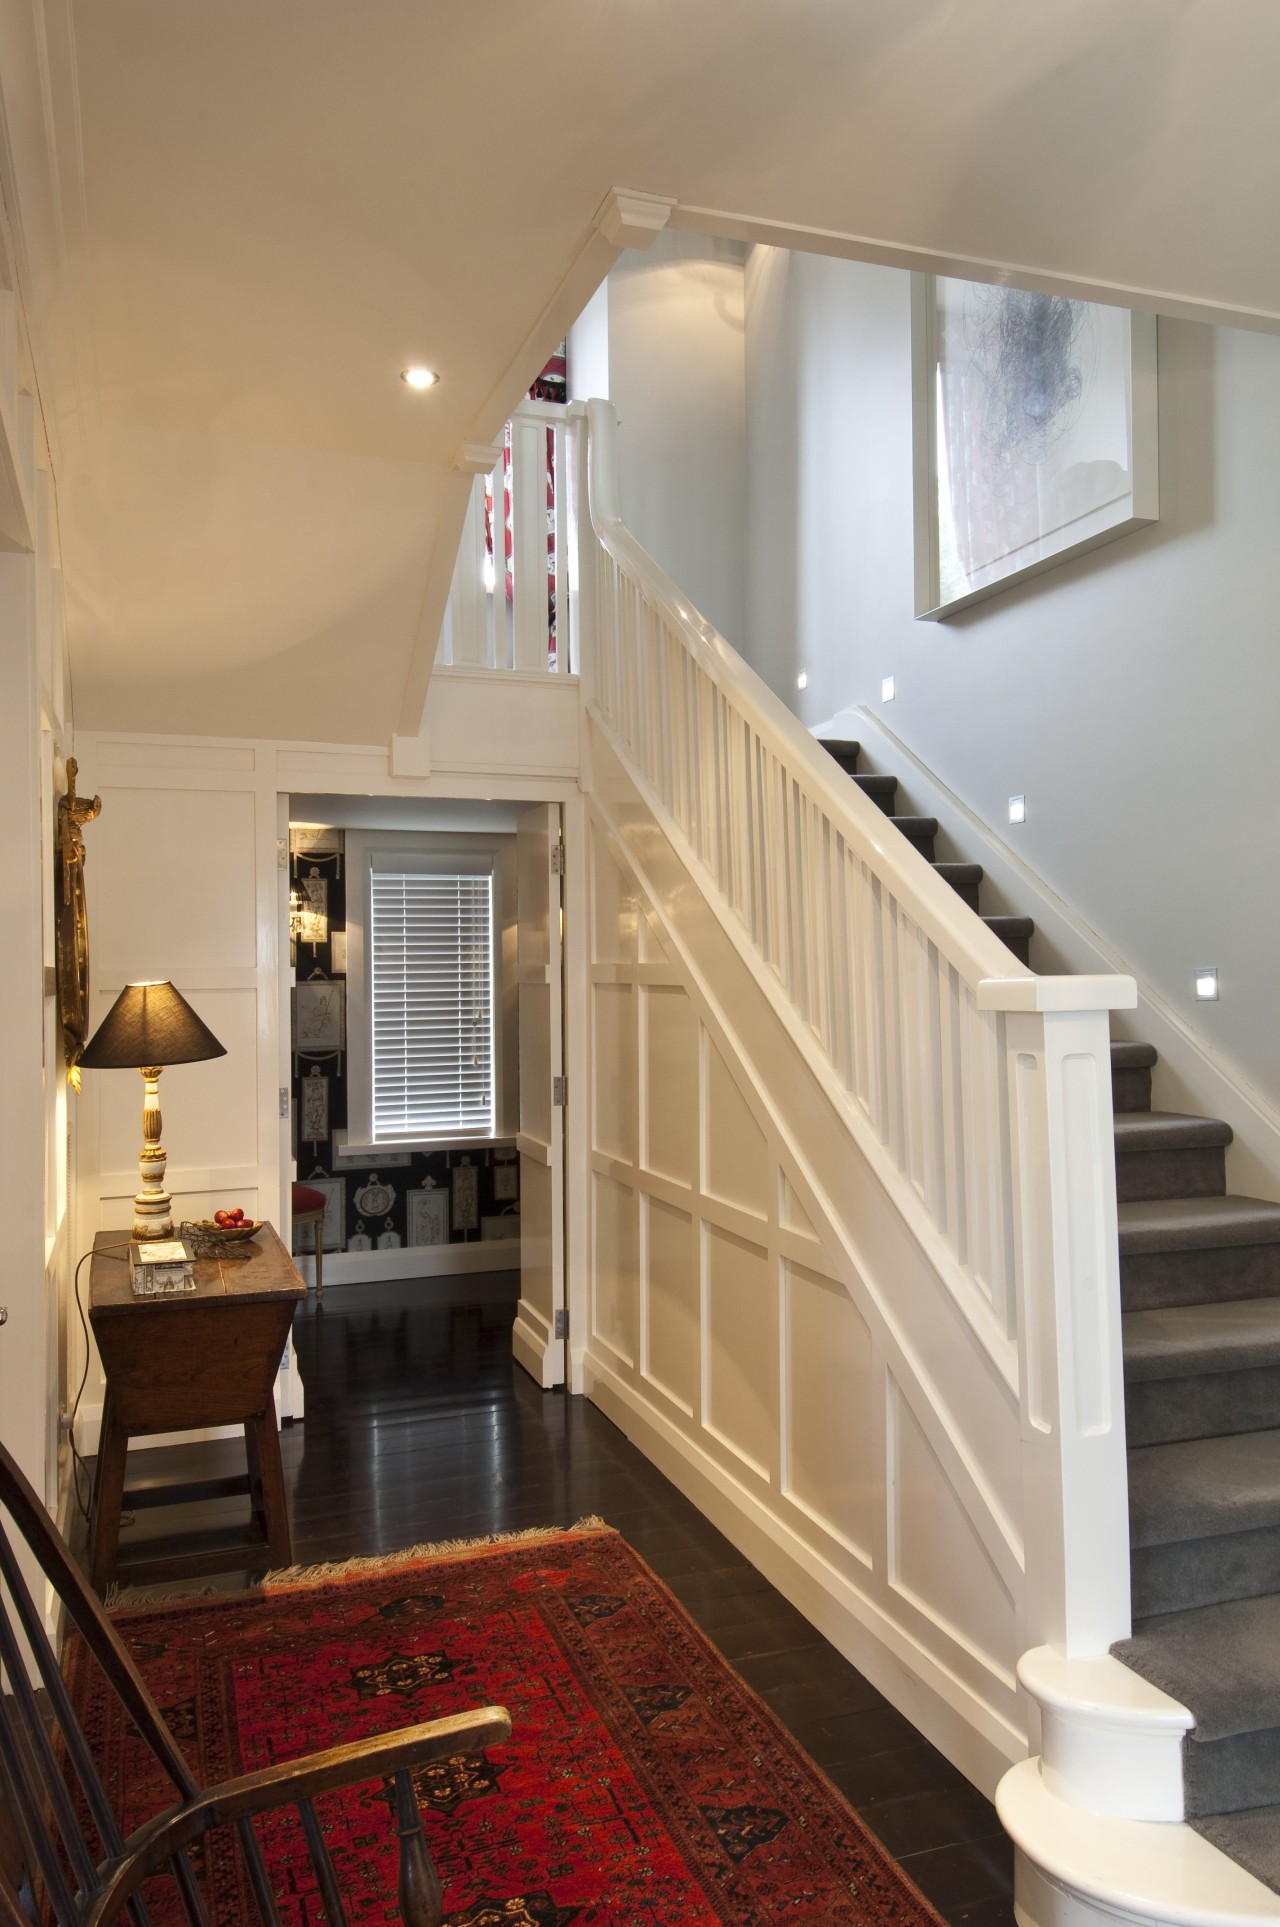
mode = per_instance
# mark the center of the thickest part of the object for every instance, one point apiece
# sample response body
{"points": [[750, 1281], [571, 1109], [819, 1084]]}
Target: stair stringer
{"points": [[909, 1557]]}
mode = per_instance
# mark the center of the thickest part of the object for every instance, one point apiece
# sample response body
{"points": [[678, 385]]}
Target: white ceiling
{"points": [[242, 221]]}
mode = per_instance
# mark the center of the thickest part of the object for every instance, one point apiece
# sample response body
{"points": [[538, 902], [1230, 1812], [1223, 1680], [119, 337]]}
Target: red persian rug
{"points": [[643, 1782]]}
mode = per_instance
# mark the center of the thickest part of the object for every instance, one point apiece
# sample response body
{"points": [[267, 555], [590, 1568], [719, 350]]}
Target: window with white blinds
{"points": [[430, 976]]}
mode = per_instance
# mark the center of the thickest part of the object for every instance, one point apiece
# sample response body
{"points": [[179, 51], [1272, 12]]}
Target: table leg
{"points": [[319, 1259], [266, 1479], [113, 1448]]}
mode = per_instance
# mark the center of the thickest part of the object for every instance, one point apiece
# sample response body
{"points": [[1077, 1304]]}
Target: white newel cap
{"points": [[632, 220], [1057, 993]]}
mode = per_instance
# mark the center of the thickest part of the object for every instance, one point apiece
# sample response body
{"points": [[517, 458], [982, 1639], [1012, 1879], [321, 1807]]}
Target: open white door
{"points": [[536, 1342]]}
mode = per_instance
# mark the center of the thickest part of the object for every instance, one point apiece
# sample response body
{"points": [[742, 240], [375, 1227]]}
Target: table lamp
{"points": [[147, 1027]]}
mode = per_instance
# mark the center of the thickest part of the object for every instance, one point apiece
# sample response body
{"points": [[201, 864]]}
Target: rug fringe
{"points": [[117, 1595], [287, 1577]]}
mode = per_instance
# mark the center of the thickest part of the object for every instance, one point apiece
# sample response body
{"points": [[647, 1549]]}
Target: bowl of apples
{"points": [[231, 1225]]}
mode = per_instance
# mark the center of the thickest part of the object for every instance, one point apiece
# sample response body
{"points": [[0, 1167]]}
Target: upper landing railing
{"points": [[509, 601]]}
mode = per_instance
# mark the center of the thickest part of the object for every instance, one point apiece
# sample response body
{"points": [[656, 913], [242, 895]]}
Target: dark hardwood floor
{"points": [[420, 1428]]}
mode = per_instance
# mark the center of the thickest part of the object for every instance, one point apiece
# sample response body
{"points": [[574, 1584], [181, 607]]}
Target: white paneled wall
{"points": [[186, 885], [783, 1384]]}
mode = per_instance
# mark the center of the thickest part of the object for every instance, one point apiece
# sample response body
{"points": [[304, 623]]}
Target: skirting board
{"points": [[763, 1541], [412, 1261]]}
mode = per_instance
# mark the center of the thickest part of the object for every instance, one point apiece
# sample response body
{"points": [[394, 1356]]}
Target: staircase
{"points": [[1200, 1290]]}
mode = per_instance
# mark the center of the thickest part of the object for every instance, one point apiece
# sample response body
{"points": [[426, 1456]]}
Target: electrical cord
{"points": [[77, 1463]]}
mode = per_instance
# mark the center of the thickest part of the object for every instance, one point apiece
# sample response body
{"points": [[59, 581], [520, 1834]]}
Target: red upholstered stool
{"points": [[308, 1208]]}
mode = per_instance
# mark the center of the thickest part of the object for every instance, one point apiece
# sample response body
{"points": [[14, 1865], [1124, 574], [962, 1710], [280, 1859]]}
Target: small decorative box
{"points": [[162, 1267]]}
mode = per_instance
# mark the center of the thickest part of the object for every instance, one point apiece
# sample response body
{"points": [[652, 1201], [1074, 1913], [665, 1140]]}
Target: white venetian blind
{"points": [[431, 983]]}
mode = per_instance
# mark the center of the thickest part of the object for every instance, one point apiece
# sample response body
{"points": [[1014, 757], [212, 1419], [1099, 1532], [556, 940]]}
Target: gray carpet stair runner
{"points": [[921, 830], [1200, 1299]]}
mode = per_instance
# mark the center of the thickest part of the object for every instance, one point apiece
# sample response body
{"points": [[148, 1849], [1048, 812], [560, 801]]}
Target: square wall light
{"points": [[1207, 983]]}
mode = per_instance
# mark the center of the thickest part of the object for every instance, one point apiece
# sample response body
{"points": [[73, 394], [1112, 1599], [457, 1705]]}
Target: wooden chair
{"points": [[81, 1879], [308, 1207]]}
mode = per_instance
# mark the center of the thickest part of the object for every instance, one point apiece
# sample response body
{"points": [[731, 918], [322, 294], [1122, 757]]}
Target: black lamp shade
{"points": [[149, 1025]]}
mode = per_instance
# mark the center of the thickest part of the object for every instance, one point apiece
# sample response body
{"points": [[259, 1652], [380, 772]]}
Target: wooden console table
{"points": [[191, 1360]]}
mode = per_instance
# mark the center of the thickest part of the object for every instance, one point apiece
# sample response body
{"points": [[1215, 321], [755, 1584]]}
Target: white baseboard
{"points": [[412, 1261], [1189, 1076]]}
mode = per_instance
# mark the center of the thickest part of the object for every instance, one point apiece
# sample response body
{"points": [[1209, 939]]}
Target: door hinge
{"points": [[282, 853], [557, 859], [561, 1323], [284, 1100], [559, 1092]]}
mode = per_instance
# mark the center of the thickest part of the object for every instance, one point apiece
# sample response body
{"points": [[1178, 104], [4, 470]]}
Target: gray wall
{"points": [[675, 369], [1133, 694]]}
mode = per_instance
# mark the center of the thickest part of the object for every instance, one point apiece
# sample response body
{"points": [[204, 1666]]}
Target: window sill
{"points": [[348, 1151]]}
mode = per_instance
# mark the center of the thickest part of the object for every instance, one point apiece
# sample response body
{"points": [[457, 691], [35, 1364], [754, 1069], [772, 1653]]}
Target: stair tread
{"points": [[876, 785], [1200, 1488], [916, 825], [1183, 1224], [846, 754], [1168, 1131], [1178, 1341], [1223, 1662], [1132, 1057], [960, 872], [1251, 1838], [1013, 926]]}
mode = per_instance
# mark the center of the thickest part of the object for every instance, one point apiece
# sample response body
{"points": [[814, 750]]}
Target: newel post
{"points": [[1066, 1255]]}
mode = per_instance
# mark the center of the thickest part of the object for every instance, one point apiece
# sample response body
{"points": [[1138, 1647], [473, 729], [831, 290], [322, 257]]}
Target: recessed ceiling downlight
{"points": [[419, 378]]}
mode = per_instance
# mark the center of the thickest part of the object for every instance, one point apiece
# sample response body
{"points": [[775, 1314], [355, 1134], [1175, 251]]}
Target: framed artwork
{"points": [[334, 1229], [1035, 434], [506, 1183], [428, 1210], [465, 1179], [315, 839], [319, 1017], [313, 909], [338, 952], [375, 1198], [313, 1107]]}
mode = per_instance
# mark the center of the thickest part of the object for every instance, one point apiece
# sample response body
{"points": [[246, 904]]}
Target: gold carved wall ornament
{"points": [[71, 921]]}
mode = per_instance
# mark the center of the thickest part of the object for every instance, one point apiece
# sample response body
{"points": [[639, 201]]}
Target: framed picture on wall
{"points": [[506, 1183], [465, 1179], [1035, 434], [313, 1107], [319, 1013], [428, 1215], [315, 839]]}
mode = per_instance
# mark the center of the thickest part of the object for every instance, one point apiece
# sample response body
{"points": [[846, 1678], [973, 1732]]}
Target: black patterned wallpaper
{"points": [[372, 1203]]}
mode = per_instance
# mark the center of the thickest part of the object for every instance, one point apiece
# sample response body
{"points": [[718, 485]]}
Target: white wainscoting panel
{"points": [[937, 1560], [772, 1341], [828, 1440], [672, 1307], [616, 1274], [739, 1348]]}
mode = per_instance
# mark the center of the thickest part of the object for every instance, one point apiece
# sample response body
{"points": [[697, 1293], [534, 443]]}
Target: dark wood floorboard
{"points": [[419, 1428]]}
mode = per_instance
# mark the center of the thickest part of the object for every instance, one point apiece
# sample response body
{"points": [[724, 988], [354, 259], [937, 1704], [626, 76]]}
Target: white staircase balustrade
{"points": [[982, 1091], [509, 600]]}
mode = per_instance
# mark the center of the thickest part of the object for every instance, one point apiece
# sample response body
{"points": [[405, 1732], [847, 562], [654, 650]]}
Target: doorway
{"points": [[424, 1036]]}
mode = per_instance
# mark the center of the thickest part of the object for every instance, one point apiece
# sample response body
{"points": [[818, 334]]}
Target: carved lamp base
{"points": [[152, 1207]]}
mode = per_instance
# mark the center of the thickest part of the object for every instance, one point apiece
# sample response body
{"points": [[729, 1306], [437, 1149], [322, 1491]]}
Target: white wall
{"points": [[675, 369], [1132, 694]]}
